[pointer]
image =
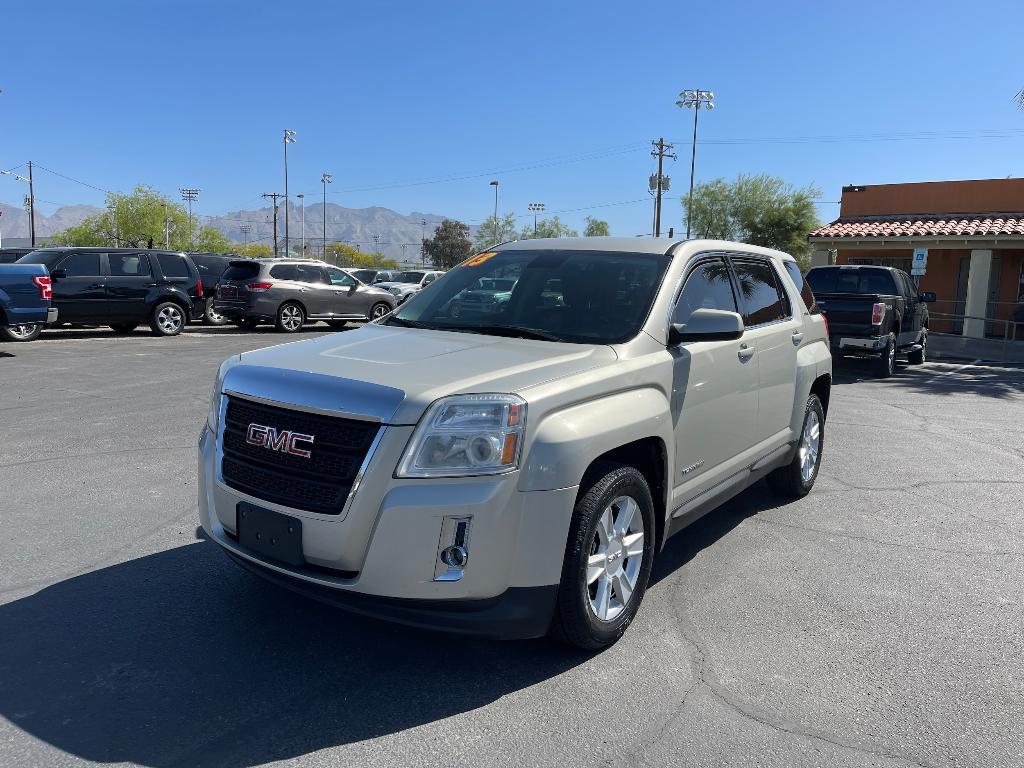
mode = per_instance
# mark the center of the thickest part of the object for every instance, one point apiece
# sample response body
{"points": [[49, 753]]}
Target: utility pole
{"points": [[190, 195], [289, 138], [302, 208], [245, 229], [694, 99], [535, 208], [31, 206], [273, 196], [495, 185], [376, 247], [325, 179], [660, 152]]}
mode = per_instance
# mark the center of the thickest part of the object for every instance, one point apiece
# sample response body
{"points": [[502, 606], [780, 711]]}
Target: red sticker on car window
{"points": [[480, 258]]}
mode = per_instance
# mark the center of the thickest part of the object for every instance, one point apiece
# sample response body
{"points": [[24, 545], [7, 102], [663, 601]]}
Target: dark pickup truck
{"points": [[25, 294], [873, 312]]}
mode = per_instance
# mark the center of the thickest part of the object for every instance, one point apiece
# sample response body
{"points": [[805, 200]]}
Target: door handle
{"points": [[745, 353], [303, 290], [798, 336]]}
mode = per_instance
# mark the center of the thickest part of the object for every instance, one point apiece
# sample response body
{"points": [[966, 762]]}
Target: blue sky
{"points": [[557, 100]]}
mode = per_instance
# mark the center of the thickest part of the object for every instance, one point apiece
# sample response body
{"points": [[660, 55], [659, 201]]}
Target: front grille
{"points": [[320, 483]]}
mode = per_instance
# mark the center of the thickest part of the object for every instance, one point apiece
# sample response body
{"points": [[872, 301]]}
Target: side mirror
{"points": [[927, 297], [58, 274], [707, 325], [352, 288]]}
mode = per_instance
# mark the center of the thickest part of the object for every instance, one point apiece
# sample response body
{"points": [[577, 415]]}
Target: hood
{"points": [[389, 284], [411, 368]]}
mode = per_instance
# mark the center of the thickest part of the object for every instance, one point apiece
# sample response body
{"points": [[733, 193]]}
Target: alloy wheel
{"points": [[21, 332], [616, 557], [291, 318], [169, 319], [379, 311], [810, 445]]}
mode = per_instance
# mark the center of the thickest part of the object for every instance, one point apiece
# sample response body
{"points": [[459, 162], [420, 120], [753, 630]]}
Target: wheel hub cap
{"points": [[810, 445], [616, 558]]}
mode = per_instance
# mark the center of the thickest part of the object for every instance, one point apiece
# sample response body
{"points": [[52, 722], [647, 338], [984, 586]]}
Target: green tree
{"points": [[596, 228], [552, 227], [213, 241], [494, 231], [254, 250], [760, 210], [345, 255], [450, 244]]}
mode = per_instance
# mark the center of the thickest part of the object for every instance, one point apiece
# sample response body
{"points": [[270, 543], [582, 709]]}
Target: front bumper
{"points": [[379, 558]]}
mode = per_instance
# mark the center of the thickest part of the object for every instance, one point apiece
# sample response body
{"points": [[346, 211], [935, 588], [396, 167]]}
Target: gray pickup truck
{"points": [[515, 474]]}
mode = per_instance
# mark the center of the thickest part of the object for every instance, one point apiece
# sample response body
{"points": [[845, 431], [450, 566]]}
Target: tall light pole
{"points": [[325, 179], [30, 199], [289, 138], [694, 99], [423, 242], [495, 185], [302, 208], [190, 195], [245, 229], [535, 208]]}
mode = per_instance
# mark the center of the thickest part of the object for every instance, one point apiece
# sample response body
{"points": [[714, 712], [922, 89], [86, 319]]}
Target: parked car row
{"points": [[127, 287]]}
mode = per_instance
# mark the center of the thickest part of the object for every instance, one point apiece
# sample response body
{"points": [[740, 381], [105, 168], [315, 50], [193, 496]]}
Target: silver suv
{"points": [[289, 293], [515, 473]]}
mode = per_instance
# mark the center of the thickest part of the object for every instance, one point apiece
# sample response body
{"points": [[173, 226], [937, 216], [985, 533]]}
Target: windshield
{"points": [[588, 297], [407, 277]]}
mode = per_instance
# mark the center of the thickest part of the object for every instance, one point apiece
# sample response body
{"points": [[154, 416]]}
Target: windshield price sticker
{"points": [[480, 258]]}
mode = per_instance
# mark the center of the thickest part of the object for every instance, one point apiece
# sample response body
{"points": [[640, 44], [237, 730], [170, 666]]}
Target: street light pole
{"points": [[302, 209], [536, 208], [694, 99], [289, 138], [495, 185], [423, 242], [31, 206], [325, 179], [190, 194]]}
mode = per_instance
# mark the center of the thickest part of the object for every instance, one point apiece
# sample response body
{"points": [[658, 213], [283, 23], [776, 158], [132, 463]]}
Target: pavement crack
{"points": [[91, 454]]}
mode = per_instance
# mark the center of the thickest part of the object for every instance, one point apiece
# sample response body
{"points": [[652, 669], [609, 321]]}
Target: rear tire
{"points": [[796, 479], [608, 559], [290, 317], [885, 365], [918, 357], [247, 325], [124, 328], [211, 316], [167, 319], [23, 332]]}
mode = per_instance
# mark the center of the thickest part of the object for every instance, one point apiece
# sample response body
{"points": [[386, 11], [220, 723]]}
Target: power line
{"points": [[77, 181]]}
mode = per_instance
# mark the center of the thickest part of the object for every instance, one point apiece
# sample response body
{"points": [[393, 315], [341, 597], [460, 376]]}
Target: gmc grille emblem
{"points": [[282, 441]]}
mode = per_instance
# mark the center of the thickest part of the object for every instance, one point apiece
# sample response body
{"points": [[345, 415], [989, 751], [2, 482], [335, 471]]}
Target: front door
{"points": [[346, 300], [128, 282], [774, 333], [79, 293], [714, 383]]}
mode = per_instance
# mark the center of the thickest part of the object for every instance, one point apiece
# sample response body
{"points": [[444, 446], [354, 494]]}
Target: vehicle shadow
{"points": [[181, 658], [953, 378]]}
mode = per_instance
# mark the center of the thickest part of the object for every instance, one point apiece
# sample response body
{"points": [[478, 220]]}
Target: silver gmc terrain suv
{"points": [[515, 473]]}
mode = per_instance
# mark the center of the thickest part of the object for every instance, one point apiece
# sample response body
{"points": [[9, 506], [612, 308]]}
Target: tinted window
{"points": [[762, 300], [81, 264], [128, 264], [365, 275], [40, 257], [851, 280], [707, 287], [793, 269], [339, 277], [605, 297], [241, 270], [407, 277], [284, 272], [173, 265], [309, 273], [210, 267], [429, 279]]}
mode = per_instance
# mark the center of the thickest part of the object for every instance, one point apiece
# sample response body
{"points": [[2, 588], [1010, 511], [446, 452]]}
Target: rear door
{"points": [[129, 279], [346, 299], [80, 295], [315, 292], [773, 332]]}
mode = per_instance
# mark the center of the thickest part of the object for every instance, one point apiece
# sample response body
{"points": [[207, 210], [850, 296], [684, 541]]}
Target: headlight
{"points": [[213, 417], [466, 435]]}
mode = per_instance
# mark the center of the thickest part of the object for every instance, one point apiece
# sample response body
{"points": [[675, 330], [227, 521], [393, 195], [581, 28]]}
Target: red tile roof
{"points": [[928, 225]]}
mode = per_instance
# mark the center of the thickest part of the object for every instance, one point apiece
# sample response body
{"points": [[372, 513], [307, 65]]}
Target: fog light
{"points": [[452, 549]]}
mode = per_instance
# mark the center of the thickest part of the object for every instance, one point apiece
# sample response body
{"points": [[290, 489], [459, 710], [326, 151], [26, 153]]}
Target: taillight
{"points": [[199, 288], [259, 287], [877, 313], [45, 286]]}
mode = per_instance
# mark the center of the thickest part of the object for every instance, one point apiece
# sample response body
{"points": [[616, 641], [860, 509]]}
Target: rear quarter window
{"points": [[804, 287], [173, 265], [285, 272]]}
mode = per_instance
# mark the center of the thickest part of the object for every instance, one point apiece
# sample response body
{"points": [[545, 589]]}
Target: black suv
{"points": [[122, 287], [11, 255], [211, 266]]}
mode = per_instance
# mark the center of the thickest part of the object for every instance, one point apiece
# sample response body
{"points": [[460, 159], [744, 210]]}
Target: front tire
{"points": [[796, 479], [290, 318], [167, 319], [608, 559], [918, 357], [885, 365], [22, 332], [379, 310]]}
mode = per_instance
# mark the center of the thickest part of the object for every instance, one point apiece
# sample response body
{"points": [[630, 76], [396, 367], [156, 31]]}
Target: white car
{"points": [[407, 283]]}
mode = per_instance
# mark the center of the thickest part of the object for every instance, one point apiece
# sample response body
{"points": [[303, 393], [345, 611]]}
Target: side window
{"points": [[762, 300], [81, 265], [429, 279], [309, 273], [339, 277], [172, 265], [284, 272], [707, 287], [128, 264], [793, 269]]}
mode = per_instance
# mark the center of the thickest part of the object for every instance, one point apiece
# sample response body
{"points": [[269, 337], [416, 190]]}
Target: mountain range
{"points": [[356, 226]]}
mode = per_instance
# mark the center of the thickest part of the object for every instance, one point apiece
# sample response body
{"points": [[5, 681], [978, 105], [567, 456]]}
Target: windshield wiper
{"points": [[395, 320], [506, 330]]}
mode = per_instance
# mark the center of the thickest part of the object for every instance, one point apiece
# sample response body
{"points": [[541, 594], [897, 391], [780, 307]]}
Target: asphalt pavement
{"points": [[879, 621]]}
